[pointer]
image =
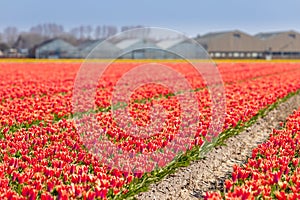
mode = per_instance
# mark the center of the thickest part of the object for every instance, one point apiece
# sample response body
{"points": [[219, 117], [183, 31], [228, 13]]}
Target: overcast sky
{"points": [[187, 16]]}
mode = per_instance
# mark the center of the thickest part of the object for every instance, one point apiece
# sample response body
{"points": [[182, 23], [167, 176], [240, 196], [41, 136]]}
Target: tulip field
{"points": [[273, 170], [43, 155]]}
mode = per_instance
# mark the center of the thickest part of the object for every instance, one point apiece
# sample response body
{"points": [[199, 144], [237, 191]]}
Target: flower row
{"points": [[273, 171]]}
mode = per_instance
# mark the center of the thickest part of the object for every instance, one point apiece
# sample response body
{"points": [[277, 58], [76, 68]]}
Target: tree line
{"points": [[12, 37]]}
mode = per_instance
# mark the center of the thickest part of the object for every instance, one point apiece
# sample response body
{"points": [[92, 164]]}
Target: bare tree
{"points": [[81, 32], [108, 30], [75, 32], [48, 30], [10, 35], [127, 28], [112, 30], [88, 31], [38, 29], [97, 32], [28, 40], [55, 30], [60, 29]]}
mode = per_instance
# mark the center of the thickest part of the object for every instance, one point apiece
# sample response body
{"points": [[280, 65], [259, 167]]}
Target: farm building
{"points": [[281, 44], [232, 44], [229, 44], [98, 49], [54, 48], [181, 48], [137, 49]]}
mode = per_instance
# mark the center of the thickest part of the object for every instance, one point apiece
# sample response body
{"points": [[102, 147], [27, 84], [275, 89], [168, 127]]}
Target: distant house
{"points": [[27, 41], [281, 44], [232, 44], [11, 53], [98, 49], [181, 48], [137, 49], [54, 48], [228, 44]]}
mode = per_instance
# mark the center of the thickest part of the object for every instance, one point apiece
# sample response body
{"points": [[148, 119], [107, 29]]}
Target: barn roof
{"points": [[166, 44], [215, 34], [127, 43], [268, 35], [230, 41]]}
